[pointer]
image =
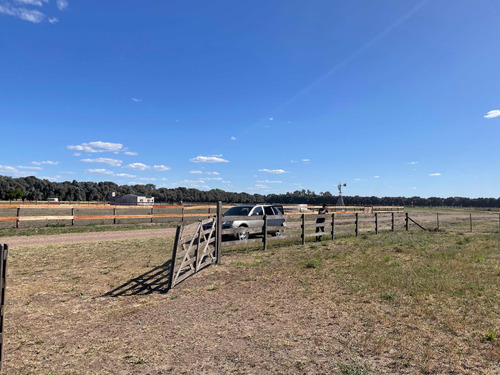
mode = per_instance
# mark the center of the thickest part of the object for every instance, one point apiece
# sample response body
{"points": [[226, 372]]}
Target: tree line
{"points": [[35, 189]]}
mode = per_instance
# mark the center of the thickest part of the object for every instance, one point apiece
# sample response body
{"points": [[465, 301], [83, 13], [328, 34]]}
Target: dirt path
{"points": [[85, 237]]}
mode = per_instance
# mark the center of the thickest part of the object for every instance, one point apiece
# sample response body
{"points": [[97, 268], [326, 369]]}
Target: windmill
{"points": [[340, 200]]}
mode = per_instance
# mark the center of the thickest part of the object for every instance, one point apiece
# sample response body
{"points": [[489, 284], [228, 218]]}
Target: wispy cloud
{"points": [[137, 100], [109, 161], [47, 162], [160, 168], [195, 172], [144, 167], [233, 138], [131, 153], [306, 160], [269, 182], [124, 175], [98, 146], [274, 171], [30, 168], [413, 162], [376, 176], [435, 174], [23, 9], [138, 166], [208, 159], [62, 4], [493, 114], [99, 171]]}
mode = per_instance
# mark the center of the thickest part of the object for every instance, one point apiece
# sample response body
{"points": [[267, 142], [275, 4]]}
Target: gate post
{"points": [[392, 221], [333, 226], [218, 233], [174, 255], [357, 224], [4, 252], [303, 229], [406, 221], [376, 222], [264, 229]]}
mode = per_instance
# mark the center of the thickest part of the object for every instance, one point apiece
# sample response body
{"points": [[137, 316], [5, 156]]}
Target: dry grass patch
{"points": [[393, 303]]}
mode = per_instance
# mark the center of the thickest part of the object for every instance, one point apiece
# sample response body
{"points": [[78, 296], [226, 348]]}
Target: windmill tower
{"points": [[340, 200]]}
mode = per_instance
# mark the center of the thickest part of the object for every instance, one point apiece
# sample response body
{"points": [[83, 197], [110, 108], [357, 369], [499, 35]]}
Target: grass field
{"points": [[400, 302]]}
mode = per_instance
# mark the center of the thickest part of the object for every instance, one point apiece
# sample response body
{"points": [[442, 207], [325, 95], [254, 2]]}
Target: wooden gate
{"points": [[195, 248]]}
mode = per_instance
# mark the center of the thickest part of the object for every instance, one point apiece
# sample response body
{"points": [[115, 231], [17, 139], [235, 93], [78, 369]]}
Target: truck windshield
{"points": [[238, 211]]}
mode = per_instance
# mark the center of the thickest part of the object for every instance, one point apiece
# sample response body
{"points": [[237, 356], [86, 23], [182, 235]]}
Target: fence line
{"points": [[206, 211]]}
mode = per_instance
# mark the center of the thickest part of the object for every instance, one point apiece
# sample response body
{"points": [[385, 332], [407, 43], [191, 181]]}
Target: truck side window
{"points": [[268, 210]]}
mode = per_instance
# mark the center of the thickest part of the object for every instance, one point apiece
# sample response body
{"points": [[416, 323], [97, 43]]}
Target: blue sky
{"points": [[391, 97]]}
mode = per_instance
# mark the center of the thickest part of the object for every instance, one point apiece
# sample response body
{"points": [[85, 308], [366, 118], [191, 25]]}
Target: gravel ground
{"points": [[85, 237]]}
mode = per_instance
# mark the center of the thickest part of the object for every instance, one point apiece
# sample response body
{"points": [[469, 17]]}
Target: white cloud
{"points": [[160, 168], [31, 168], [357, 179], [99, 171], [271, 118], [233, 138], [124, 175], [138, 166], [270, 182], [7, 169], [293, 161], [435, 174], [214, 179], [274, 171], [413, 162], [48, 162], [306, 160], [195, 172], [98, 146], [414, 188], [109, 161], [30, 15], [136, 100], [23, 10], [213, 173], [130, 153], [192, 182], [226, 182], [146, 179], [62, 4], [260, 186], [50, 178], [376, 176], [208, 159], [37, 3], [493, 114]]}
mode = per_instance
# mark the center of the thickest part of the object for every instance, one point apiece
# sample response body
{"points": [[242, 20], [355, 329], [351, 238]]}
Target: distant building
{"points": [[131, 200], [53, 199]]}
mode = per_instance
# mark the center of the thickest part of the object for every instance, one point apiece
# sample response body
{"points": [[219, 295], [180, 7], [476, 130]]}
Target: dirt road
{"points": [[85, 237]]}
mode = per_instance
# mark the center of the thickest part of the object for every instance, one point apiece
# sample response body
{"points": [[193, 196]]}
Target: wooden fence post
{"points": [[182, 220], [73, 216], [392, 221], [303, 229], [152, 213], [264, 230], [18, 213], [197, 248], [406, 221], [174, 255], [470, 219], [4, 252], [218, 240], [357, 224], [376, 222], [437, 221], [114, 215], [333, 226]]}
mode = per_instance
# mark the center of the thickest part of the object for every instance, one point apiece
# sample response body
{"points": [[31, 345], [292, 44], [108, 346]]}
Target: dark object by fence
{"points": [[4, 252], [376, 223], [357, 224]]}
